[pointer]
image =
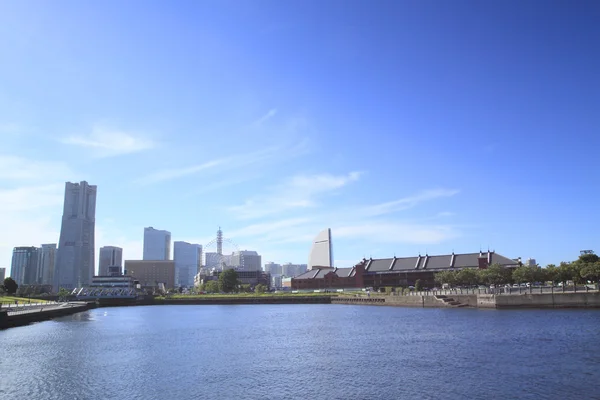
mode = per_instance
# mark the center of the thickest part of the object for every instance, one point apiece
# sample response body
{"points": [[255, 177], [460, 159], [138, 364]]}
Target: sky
{"points": [[406, 127]]}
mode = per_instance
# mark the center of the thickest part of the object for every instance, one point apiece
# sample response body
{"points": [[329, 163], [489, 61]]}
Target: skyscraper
{"points": [[24, 266], [47, 263], [75, 256], [2, 274], [157, 244], [188, 260], [321, 253], [110, 256]]}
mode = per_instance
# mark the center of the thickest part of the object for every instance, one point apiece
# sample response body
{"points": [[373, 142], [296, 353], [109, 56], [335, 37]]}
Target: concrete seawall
{"points": [[545, 300], [10, 320], [529, 300]]}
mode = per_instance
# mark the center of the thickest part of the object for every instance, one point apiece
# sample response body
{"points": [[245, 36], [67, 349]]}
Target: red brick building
{"points": [[396, 272]]}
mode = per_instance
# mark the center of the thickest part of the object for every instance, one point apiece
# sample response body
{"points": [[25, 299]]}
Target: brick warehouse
{"points": [[396, 272]]}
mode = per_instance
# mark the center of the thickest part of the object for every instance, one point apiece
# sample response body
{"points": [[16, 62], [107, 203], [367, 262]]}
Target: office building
{"points": [[2, 274], [188, 260], [291, 270], [47, 264], [110, 256], [157, 245], [24, 267], [272, 268], [75, 256], [152, 273], [321, 253], [246, 260]]}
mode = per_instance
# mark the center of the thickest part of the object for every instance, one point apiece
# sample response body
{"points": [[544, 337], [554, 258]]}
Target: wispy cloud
{"points": [[31, 197], [270, 114], [10, 128], [406, 202], [301, 191], [174, 173], [265, 155], [104, 142], [19, 169], [397, 233]]}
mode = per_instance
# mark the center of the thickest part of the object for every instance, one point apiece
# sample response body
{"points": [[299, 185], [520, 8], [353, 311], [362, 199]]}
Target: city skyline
{"points": [[404, 128]]}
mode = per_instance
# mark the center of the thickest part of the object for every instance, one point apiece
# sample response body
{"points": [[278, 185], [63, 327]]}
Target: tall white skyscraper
{"points": [[47, 264], [75, 256], [157, 244], [188, 260], [110, 256]]}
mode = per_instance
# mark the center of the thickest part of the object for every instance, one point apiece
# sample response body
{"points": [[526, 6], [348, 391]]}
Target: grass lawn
{"points": [[219, 295], [21, 300]]}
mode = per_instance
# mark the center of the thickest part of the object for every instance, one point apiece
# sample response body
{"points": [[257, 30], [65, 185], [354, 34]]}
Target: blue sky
{"points": [[405, 126]]}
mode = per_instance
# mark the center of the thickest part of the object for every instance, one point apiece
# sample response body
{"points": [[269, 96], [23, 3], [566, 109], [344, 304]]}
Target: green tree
{"points": [[448, 277], [551, 273], [10, 285], [63, 294], [211, 287], [591, 271], [588, 259], [418, 285], [228, 281], [260, 288], [467, 277], [245, 288], [570, 271], [496, 274]]}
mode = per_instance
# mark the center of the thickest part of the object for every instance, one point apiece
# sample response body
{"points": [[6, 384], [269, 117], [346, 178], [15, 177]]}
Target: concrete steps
{"points": [[449, 301]]}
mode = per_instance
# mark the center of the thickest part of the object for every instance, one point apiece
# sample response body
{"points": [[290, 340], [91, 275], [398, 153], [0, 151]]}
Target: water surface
{"points": [[304, 352]]}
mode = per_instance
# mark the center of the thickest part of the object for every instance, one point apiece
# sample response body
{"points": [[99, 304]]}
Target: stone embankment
{"points": [[499, 301], [11, 318]]}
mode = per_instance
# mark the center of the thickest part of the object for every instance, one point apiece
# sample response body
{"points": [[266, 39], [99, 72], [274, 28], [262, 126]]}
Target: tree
{"points": [[448, 277], [551, 273], [211, 287], [228, 281], [591, 271], [418, 285], [588, 258], [496, 274], [10, 285], [467, 277], [63, 293], [260, 288]]}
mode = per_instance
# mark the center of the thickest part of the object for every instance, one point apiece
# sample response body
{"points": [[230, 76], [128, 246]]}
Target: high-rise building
{"points": [[2, 274], [246, 260], [157, 244], [75, 255], [321, 253], [188, 260], [47, 264], [24, 267], [152, 273], [110, 256], [272, 268], [292, 270]]}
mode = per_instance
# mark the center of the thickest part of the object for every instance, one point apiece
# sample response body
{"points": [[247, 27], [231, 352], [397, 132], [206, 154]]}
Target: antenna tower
{"points": [[220, 242]]}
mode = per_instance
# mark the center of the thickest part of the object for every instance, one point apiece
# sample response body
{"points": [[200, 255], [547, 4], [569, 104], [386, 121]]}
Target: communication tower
{"points": [[220, 242]]}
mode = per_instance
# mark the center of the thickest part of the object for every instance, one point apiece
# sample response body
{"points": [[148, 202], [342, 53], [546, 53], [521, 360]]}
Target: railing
{"points": [[24, 308], [498, 291]]}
